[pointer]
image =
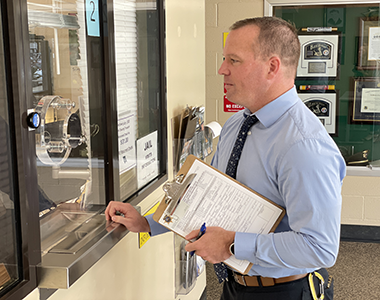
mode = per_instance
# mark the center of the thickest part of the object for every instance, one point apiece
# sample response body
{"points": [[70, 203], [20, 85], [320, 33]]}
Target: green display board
{"points": [[357, 133]]}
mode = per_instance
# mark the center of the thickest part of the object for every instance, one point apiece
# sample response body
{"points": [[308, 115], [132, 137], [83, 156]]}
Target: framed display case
{"points": [[355, 38]]}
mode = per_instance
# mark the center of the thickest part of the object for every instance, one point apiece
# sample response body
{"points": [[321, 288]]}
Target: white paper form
{"points": [[374, 43], [215, 199], [370, 100]]}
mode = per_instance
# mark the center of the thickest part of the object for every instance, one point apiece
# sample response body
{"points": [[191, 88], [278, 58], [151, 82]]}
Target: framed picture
{"points": [[319, 55], [324, 105], [366, 104], [369, 43]]}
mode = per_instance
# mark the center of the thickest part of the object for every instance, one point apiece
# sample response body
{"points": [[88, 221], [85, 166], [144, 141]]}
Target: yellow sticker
{"points": [[224, 38], [145, 236]]}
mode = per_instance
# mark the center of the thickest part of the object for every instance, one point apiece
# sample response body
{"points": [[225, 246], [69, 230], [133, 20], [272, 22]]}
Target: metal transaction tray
{"points": [[85, 234], [73, 241]]}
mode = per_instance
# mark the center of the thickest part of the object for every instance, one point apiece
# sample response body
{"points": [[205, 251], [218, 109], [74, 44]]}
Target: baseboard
{"points": [[360, 233]]}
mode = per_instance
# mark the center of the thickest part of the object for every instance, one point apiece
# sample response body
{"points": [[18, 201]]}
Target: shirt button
{"points": [[249, 133]]}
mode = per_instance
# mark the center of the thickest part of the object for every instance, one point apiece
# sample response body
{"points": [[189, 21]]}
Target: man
{"points": [[287, 157]]}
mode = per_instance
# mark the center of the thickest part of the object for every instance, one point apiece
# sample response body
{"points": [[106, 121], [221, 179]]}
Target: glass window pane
{"points": [[67, 77], [138, 93], [8, 247], [346, 99], [70, 164]]}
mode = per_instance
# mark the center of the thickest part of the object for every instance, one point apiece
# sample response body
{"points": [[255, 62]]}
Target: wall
{"points": [[127, 272], [220, 15], [361, 194], [361, 200]]}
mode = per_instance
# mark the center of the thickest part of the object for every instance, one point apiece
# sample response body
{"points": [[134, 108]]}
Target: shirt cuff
{"points": [[155, 228], [245, 246]]}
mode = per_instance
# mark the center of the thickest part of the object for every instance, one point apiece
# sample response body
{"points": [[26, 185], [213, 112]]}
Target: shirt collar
{"points": [[271, 112]]}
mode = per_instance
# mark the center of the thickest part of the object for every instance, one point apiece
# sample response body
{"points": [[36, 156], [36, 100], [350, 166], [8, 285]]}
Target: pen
{"points": [[202, 231]]}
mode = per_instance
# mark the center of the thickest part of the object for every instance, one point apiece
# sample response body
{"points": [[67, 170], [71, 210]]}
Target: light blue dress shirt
{"points": [[289, 158]]}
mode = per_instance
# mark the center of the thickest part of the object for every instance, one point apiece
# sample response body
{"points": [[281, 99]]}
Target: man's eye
{"points": [[233, 60]]}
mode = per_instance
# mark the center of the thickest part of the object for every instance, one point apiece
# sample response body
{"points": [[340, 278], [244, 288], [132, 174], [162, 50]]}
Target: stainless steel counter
{"points": [[72, 241]]}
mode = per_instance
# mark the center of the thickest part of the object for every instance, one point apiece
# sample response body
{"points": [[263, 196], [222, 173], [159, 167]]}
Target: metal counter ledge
{"points": [[73, 240]]}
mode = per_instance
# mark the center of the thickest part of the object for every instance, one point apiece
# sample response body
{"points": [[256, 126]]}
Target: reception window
{"points": [[83, 122], [100, 99]]}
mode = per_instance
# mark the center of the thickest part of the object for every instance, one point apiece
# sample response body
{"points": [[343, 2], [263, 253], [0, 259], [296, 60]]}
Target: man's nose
{"points": [[223, 70]]}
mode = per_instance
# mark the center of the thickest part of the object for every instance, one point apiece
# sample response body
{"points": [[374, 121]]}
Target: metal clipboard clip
{"points": [[175, 189]]}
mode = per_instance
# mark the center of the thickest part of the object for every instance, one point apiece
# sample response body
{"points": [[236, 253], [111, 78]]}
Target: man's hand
{"points": [[131, 219], [213, 246]]}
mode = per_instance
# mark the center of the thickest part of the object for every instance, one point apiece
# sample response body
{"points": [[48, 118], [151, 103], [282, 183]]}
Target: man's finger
{"points": [[190, 247], [111, 209], [192, 235], [119, 219]]}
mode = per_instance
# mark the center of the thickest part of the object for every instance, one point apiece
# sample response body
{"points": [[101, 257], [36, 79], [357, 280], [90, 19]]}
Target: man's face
{"points": [[244, 76]]}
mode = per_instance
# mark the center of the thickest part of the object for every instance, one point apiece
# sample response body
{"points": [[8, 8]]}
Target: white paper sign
{"points": [[127, 153], [147, 161], [374, 43]]}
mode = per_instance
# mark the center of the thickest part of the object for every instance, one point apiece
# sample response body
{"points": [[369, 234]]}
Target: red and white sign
{"points": [[230, 106]]}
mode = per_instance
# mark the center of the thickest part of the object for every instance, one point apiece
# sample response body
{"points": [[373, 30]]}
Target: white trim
{"points": [[268, 4], [363, 171]]}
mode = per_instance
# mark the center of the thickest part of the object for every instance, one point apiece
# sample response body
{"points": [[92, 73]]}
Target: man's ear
{"points": [[274, 65]]}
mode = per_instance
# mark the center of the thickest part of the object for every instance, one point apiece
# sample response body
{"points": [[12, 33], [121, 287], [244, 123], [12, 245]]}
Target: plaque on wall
{"points": [[369, 43], [366, 104], [324, 106], [319, 55]]}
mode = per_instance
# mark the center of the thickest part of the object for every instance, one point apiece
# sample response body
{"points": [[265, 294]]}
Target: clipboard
{"points": [[199, 193]]}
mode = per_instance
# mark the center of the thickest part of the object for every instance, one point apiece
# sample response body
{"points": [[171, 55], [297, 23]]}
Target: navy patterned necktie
{"points": [[221, 268]]}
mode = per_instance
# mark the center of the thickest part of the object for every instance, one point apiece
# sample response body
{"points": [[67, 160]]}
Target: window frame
{"points": [[26, 207], [111, 159]]}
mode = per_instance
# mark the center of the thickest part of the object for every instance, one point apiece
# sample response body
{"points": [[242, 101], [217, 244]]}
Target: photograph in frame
{"points": [[320, 54], [324, 105]]}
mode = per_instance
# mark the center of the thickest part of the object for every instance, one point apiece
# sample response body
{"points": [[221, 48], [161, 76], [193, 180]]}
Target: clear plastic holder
{"points": [[186, 268]]}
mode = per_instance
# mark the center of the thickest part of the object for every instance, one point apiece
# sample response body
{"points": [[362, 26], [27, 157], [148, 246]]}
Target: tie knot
{"points": [[249, 121]]}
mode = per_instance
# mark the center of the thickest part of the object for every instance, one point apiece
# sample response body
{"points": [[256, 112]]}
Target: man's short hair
{"points": [[276, 37]]}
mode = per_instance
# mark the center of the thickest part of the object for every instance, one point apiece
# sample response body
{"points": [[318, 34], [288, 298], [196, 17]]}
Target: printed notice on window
{"points": [[127, 136], [147, 160], [219, 201]]}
